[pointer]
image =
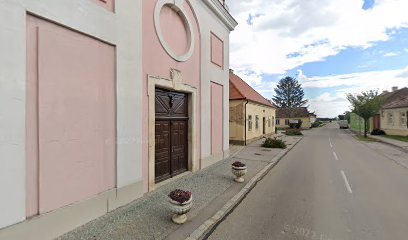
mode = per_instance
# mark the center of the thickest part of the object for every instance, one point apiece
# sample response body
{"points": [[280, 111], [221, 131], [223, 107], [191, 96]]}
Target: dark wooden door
{"points": [[178, 147], [171, 134], [377, 121], [163, 149]]}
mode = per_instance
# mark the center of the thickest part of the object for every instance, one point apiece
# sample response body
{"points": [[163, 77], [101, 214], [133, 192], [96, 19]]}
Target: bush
{"points": [[377, 132], [274, 143], [293, 132], [316, 124]]}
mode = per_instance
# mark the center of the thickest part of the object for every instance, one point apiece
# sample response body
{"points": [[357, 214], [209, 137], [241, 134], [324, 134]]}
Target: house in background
{"points": [[100, 100], [390, 118], [313, 117], [251, 115], [394, 120], [285, 116]]}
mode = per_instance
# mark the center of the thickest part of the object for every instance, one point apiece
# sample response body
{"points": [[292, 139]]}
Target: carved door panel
{"points": [[171, 132], [179, 147], [162, 150]]}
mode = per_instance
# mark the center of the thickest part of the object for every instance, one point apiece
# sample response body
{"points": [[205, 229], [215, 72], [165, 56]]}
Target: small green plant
{"points": [[274, 143], [317, 124], [293, 132]]}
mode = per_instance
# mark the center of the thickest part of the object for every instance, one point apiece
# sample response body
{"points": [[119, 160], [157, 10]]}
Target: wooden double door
{"points": [[171, 134]]}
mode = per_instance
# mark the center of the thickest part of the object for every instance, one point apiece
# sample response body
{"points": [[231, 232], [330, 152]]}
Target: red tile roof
{"points": [[239, 89]]}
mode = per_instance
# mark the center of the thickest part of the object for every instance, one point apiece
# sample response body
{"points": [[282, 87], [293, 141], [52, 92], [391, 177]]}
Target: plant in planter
{"points": [[180, 203], [239, 169]]}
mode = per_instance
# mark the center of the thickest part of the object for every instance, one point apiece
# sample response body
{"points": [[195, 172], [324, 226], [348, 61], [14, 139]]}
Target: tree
{"points": [[366, 105], [289, 93], [347, 116]]}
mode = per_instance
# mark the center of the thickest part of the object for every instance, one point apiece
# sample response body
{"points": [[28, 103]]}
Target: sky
{"points": [[333, 47]]}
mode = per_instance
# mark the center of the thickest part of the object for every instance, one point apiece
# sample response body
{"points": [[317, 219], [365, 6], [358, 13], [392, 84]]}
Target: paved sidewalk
{"points": [[396, 143], [150, 216]]}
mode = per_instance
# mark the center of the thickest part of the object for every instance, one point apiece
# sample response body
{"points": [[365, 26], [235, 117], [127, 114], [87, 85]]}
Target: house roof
{"points": [[300, 112], [396, 99], [400, 102], [239, 89]]}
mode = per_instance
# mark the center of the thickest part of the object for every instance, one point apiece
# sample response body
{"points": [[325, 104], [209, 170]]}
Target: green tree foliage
{"points": [[366, 105], [289, 94]]}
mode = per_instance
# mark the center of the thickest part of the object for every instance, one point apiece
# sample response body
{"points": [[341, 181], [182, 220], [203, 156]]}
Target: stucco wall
{"points": [[122, 30], [237, 120], [262, 111], [197, 71], [210, 72], [399, 124], [305, 122], [357, 123], [217, 118]]}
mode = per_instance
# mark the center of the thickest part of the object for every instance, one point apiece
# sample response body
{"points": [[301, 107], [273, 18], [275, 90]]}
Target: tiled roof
{"points": [[239, 89], [401, 102], [397, 99], [300, 112]]}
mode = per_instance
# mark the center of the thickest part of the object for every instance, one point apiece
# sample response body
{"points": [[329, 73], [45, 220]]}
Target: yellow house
{"points": [[394, 116], [251, 115], [285, 116]]}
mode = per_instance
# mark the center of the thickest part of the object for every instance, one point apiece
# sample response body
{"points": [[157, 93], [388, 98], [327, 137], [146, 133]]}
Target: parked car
{"points": [[343, 124]]}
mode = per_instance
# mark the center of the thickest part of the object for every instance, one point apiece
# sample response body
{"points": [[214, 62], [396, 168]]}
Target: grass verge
{"points": [[395, 137], [362, 138]]}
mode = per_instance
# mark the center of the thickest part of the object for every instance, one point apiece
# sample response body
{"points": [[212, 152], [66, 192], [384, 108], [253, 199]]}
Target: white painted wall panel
{"points": [[210, 72], [84, 16], [129, 67], [12, 118]]}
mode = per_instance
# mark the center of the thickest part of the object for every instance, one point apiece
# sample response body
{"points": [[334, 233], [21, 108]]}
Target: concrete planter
{"points": [[239, 173], [180, 210]]}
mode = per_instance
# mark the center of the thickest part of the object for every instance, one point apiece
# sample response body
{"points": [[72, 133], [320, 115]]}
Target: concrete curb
{"points": [[390, 144], [206, 228]]}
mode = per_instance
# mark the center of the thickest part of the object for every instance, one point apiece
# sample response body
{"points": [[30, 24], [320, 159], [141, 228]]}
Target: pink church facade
{"points": [[102, 100]]}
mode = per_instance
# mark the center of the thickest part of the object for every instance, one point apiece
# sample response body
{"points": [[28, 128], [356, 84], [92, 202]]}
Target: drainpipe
{"points": [[245, 119]]}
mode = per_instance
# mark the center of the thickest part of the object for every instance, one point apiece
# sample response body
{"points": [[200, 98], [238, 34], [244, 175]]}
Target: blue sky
{"points": [[345, 46]]}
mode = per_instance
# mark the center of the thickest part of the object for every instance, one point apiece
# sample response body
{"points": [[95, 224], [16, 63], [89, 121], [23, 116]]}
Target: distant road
{"points": [[330, 186]]}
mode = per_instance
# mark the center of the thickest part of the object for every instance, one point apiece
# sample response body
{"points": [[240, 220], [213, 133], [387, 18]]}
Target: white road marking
{"points": [[331, 145], [347, 182], [335, 156]]}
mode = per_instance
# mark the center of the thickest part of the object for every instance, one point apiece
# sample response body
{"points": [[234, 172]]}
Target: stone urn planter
{"points": [[180, 203], [239, 169]]}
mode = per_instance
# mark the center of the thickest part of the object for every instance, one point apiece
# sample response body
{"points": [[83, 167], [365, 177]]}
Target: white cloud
{"points": [[288, 33], [331, 104], [328, 105], [391, 54]]}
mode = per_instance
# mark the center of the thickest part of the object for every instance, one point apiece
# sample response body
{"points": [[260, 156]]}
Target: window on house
{"points": [[256, 121], [403, 119], [249, 122], [273, 121], [286, 121], [277, 121], [269, 122], [390, 119]]}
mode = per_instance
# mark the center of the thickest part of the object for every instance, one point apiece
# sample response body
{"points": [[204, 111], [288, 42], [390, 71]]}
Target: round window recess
{"points": [[180, 53]]}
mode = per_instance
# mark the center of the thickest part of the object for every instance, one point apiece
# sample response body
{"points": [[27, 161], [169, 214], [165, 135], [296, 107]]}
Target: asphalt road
{"points": [[330, 186]]}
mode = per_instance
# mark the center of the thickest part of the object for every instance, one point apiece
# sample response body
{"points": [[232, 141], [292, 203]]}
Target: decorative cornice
{"points": [[222, 13]]}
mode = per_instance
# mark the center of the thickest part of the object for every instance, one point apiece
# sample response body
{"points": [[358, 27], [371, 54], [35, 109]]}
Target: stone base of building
{"points": [[63, 220]]}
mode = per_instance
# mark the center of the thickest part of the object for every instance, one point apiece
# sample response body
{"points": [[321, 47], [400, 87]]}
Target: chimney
{"points": [[394, 89], [231, 71]]}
